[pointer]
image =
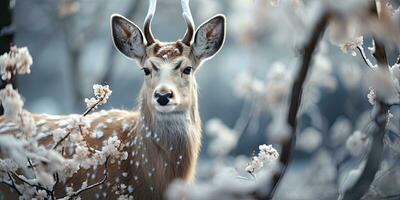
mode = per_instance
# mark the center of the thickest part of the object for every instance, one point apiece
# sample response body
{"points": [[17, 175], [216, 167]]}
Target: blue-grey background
{"points": [[71, 52]]}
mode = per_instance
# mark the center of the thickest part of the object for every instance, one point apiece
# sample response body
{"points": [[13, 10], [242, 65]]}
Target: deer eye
{"points": [[146, 71], [187, 70]]}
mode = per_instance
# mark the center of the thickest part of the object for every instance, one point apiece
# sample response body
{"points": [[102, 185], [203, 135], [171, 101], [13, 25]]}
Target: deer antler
{"points": [[147, 22], [187, 15]]}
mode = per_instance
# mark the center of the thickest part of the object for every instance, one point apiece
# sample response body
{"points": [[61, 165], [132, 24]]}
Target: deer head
{"points": [[169, 67]]}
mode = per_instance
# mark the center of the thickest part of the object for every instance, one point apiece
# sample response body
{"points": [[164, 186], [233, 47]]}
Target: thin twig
{"points": [[83, 115], [93, 185], [56, 177], [92, 107], [295, 100], [31, 166], [12, 185], [29, 183], [364, 57], [62, 140]]}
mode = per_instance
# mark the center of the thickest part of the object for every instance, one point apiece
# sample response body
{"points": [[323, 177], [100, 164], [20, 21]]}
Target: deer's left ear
{"points": [[209, 37]]}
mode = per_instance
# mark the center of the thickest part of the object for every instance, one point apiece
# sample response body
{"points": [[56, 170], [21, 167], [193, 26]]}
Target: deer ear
{"points": [[209, 37], [127, 37]]}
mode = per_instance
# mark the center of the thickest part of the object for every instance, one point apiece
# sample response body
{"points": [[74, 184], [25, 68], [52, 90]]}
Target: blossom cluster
{"points": [[102, 93], [266, 153], [352, 45], [40, 167], [17, 61]]}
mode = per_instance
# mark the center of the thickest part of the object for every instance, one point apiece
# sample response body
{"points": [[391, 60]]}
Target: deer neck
{"points": [[173, 138]]}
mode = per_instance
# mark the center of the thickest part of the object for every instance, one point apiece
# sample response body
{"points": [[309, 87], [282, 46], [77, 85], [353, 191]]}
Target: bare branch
{"points": [[91, 186], [29, 183], [380, 52], [62, 140], [92, 107], [374, 156], [296, 97], [12, 185], [375, 153]]}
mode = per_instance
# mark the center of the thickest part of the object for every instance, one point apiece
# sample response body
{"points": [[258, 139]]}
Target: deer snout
{"points": [[163, 97]]}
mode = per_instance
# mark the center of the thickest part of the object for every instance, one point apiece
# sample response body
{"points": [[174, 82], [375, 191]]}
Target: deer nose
{"points": [[163, 98]]}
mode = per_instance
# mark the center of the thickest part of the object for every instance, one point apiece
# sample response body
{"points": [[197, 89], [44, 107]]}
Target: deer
{"points": [[163, 134]]}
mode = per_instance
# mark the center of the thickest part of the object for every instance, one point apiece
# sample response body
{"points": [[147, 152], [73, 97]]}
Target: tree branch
{"points": [[29, 183], [12, 185], [91, 186], [374, 156], [62, 140], [296, 97]]}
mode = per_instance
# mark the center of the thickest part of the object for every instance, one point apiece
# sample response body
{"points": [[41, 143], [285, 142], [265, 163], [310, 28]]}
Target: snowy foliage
{"points": [[102, 93], [37, 167], [351, 46], [11, 102], [266, 153], [17, 61], [336, 141]]}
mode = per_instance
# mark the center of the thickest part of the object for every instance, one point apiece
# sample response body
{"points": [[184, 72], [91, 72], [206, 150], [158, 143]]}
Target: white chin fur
{"points": [[165, 109]]}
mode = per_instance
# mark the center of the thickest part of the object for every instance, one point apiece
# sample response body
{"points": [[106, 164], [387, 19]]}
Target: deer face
{"points": [[169, 67]]}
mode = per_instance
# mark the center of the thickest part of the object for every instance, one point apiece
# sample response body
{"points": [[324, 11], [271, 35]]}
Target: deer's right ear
{"points": [[127, 37]]}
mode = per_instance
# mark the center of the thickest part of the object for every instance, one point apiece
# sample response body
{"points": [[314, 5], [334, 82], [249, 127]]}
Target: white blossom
{"points": [[266, 153], [45, 179], [371, 96], [11, 102], [18, 60], [102, 93], [351, 46], [26, 123], [41, 195]]}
